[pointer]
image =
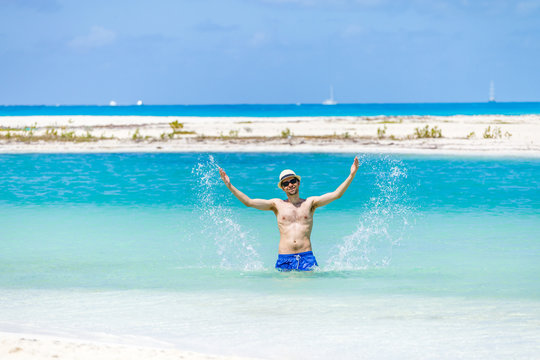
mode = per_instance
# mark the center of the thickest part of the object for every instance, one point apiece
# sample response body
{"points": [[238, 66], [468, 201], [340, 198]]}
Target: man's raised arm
{"points": [[328, 198], [246, 200]]}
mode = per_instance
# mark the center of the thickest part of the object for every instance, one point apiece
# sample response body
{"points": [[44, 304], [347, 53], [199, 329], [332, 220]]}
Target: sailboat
{"points": [[492, 91], [330, 101]]}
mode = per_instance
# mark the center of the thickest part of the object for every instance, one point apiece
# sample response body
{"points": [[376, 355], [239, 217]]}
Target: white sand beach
{"points": [[484, 135], [23, 346]]}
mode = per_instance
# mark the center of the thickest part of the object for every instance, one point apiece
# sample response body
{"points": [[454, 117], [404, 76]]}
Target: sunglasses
{"points": [[286, 183]]}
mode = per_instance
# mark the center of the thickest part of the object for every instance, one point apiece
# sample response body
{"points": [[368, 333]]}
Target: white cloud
{"points": [[370, 2], [38, 5], [97, 37], [294, 2], [331, 3], [209, 26], [258, 39], [352, 30], [527, 7]]}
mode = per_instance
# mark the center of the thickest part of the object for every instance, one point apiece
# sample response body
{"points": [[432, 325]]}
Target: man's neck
{"points": [[294, 199]]}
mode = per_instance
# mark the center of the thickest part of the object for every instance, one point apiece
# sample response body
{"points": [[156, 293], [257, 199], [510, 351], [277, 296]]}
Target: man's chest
{"points": [[289, 213]]}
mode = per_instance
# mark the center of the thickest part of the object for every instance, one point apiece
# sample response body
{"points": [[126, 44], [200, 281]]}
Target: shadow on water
{"points": [[316, 274]]}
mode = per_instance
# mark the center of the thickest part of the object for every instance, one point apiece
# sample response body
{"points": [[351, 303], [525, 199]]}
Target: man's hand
{"points": [[354, 167], [224, 177]]}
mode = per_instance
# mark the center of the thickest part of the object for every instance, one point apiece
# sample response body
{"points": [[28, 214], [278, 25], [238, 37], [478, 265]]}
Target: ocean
{"points": [[424, 257], [284, 110]]}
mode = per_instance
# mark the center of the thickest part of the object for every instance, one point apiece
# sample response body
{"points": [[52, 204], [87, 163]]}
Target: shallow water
{"points": [[422, 257]]}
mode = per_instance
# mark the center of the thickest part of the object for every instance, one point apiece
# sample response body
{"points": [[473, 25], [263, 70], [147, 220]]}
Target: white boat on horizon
{"points": [[491, 92], [330, 101]]}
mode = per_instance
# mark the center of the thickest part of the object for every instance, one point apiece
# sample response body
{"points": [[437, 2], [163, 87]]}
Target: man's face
{"points": [[290, 185]]}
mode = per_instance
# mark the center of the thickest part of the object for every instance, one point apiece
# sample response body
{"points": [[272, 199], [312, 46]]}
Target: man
{"points": [[294, 217]]}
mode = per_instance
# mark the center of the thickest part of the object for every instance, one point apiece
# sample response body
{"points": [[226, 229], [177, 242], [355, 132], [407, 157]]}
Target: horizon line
{"points": [[277, 104]]}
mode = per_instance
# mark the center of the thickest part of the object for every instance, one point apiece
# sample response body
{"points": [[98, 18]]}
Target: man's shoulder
{"points": [[275, 201]]}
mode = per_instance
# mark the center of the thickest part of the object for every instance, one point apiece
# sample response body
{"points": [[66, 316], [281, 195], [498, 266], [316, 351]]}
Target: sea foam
{"points": [[382, 224], [225, 239]]}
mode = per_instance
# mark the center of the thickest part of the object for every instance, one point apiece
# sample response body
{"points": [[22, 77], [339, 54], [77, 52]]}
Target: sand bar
{"points": [[460, 134]]}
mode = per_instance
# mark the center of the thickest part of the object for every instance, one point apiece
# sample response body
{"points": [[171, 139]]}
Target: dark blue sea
{"points": [[284, 110]]}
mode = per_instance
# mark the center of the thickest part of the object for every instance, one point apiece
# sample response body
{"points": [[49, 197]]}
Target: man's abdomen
{"points": [[293, 246]]}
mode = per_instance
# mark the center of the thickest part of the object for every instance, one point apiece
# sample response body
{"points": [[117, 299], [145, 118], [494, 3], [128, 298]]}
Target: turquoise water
{"points": [[423, 257], [276, 110]]}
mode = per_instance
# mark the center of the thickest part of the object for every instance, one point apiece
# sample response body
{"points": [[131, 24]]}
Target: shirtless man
{"points": [[294, 217]]}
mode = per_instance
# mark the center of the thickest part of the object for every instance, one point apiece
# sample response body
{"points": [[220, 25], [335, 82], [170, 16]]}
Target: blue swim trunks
{"points": [[304, 261]]}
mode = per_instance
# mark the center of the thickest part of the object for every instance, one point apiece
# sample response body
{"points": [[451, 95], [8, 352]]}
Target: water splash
{"points": [[224, 241], [382, 224]]}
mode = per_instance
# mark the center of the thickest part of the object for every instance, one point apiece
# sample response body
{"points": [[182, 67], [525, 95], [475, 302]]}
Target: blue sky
{"points": [[267, 51]]}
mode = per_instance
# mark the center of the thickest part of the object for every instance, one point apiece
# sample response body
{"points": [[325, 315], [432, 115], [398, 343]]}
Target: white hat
{"points": [[285, 174]]}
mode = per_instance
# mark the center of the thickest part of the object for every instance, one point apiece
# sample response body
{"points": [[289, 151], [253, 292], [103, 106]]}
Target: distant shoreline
{"points": [[497, 135]]}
